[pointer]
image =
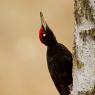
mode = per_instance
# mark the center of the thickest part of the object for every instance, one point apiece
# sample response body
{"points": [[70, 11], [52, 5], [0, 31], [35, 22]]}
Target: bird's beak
{"points": [[43, 22]]}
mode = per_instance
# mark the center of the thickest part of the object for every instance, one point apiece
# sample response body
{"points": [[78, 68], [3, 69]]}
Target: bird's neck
{"points": [[53, 44]]}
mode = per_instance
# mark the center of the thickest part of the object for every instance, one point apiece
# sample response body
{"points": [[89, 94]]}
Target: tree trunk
{"points": [[84, 48]]}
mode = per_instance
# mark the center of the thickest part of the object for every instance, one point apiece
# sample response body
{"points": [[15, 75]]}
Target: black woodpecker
{"points": [[59, 59]]}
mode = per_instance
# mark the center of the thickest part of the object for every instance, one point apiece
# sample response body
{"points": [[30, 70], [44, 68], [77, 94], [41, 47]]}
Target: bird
{"points": [[59, 59]]}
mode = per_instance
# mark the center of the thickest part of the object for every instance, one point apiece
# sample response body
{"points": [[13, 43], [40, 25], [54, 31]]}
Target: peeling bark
{"points": [[84, 48]]}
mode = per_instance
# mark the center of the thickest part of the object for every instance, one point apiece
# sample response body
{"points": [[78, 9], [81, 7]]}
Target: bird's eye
{"points": [[44, 34]]}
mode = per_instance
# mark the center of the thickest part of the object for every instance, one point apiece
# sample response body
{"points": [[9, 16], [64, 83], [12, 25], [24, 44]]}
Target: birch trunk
{"points": [[84, 48]]}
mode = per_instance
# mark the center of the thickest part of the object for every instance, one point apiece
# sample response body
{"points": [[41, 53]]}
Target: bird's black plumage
{"points": [[59, 60]]}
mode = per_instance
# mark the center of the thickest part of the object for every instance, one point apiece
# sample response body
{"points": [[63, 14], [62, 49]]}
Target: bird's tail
{"points": [[66, 90]]}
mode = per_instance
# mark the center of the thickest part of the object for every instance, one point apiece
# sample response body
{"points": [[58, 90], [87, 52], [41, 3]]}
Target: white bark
{"points": [[84, 49]]}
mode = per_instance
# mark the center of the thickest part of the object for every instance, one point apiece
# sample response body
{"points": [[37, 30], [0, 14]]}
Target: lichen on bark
{"points": [[84, 48], [83, 9], [85, 33]]}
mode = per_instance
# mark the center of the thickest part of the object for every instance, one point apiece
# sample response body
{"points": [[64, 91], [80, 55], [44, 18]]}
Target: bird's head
{"points": [[46, 35]]}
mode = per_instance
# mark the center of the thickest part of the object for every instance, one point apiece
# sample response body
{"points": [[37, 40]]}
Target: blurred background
{"points": [[23, 67]]}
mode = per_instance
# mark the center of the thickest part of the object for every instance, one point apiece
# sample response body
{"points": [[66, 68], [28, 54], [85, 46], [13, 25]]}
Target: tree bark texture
{"points": [[84, 48]]}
